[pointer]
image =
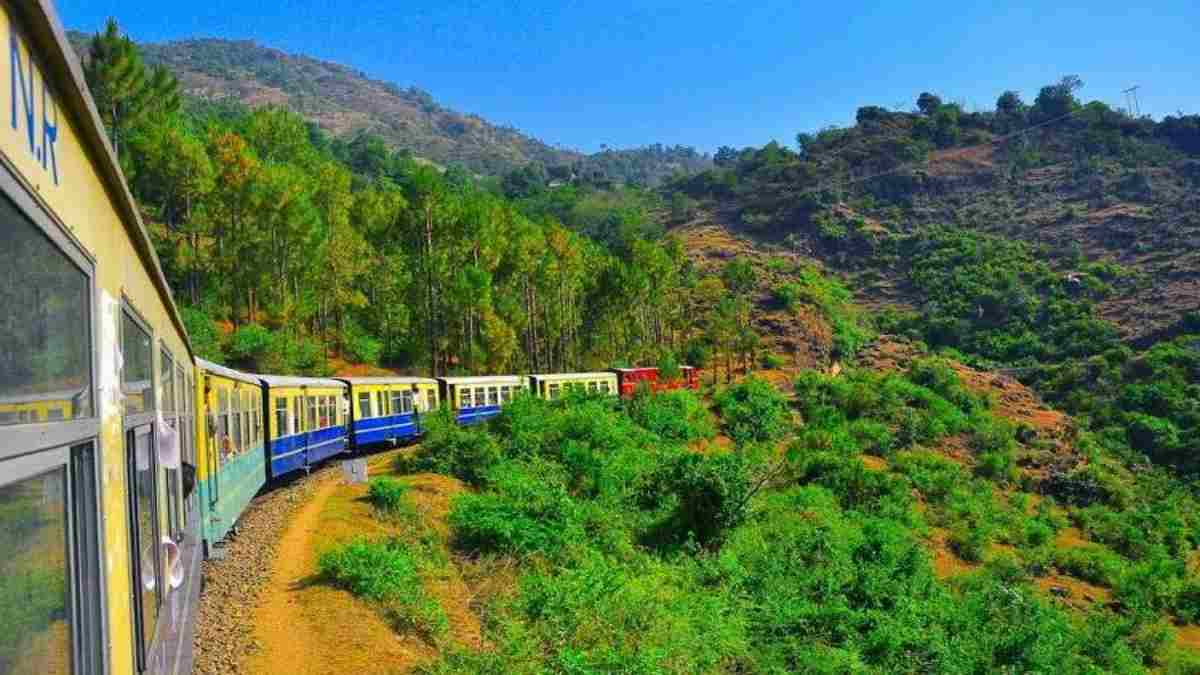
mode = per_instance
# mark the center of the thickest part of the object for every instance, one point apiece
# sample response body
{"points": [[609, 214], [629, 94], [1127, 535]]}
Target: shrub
{"points": [[385, 572], [753, 411], [673, 415], [466, 453], [788, 295], [526, 510], [1093, 563], [872, 437], [772, 361], [641, 615], [388, 495], [713, 493], [363, 348]]}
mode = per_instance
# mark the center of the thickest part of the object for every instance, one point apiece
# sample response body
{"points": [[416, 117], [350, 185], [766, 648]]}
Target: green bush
{"points": [[753, 411], [525, 510], [772, 361], [672, 415], [467, 453], [713, 493], [386, 573], [363, 348], [1093, 563], [788, 295], [389, 496]]}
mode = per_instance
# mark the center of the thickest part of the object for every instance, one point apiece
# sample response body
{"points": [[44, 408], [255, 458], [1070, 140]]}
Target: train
{"points": [[127, 459]]}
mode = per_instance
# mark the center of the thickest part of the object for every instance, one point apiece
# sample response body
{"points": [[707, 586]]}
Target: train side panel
{"points": [[232, 461], [308, 424], [388, 411], [474, 400], [84, 307]]}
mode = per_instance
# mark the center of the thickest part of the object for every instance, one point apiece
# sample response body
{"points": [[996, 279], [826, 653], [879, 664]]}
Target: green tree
{"points": [[124, 91]]}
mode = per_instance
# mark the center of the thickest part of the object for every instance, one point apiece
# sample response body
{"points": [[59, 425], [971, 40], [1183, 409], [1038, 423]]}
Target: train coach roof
{"points": [[291, 381], [482, 379], [399, 379], [554, 377], [230, 373]]}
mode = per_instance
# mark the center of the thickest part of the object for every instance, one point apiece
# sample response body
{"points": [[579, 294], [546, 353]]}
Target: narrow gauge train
{"points": [[124, 459]]}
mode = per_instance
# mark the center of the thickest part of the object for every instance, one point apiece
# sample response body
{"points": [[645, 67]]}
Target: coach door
{"points": [[311, 423]]}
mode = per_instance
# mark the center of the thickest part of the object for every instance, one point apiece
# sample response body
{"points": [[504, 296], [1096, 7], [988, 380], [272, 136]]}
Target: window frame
{"points": [[65, 460], [282, 426], [298, 412], [364, 412], [53, 434], [145, 639], [39, 443], [145, 416]]}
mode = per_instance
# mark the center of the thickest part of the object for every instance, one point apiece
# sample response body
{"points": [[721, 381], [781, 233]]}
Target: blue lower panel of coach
{"points": [[324, 443], [380, 429], [292, 453], [477, 414]]}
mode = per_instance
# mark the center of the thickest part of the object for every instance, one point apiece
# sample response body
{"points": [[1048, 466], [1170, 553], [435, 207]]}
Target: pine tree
{"points": [[126, 93]]}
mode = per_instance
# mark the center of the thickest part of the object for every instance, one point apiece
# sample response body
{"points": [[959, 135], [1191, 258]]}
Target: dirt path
{"points": [[304, 627]]}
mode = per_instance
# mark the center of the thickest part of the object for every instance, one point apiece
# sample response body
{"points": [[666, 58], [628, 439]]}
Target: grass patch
{"points": [[386, 573], [390, 497]]}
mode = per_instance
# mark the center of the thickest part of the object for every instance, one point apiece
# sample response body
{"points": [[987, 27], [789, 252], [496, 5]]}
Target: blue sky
{"points": [[582, 74]]}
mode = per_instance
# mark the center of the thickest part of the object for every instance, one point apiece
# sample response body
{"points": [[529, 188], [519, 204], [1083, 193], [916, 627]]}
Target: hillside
{"points": [[346, 102], [1095, 185]]}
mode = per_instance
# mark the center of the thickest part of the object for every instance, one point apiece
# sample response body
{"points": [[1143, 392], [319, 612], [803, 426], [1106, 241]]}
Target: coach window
{"points": [[364, 404], [281, 417], [247, 417], [137, 375], [146, 566], [223, 430], [166, 370], [467, 401], [50, 610], [554, 390], [399, 400]]}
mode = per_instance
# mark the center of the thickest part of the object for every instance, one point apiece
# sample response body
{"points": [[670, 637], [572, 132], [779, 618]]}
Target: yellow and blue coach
{"points": [[99, 553], [475, 399], [309, 422], [232, 463], [388, 409]]}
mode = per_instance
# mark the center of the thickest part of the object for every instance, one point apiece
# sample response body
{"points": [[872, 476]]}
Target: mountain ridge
{"points": [[345, 102]]}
